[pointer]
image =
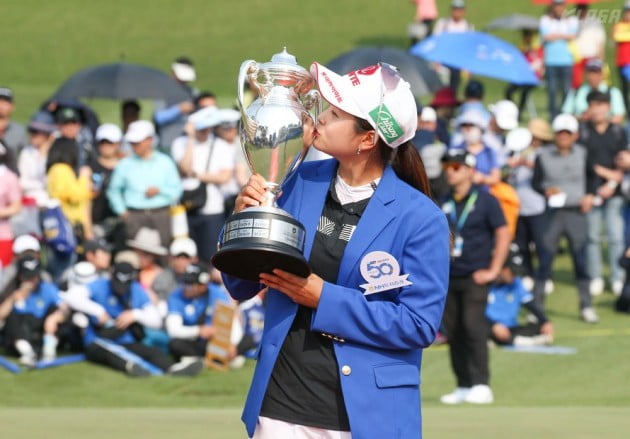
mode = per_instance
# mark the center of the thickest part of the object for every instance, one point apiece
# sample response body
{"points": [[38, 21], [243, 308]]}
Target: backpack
{"points": [[58, 232]]}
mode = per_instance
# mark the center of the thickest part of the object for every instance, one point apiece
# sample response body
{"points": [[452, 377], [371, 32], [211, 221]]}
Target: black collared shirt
{"points": [[304, 387]]}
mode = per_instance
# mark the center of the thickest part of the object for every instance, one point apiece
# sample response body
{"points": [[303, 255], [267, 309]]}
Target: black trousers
{"points": [[468, 330], [180, 347], [528, 330], [25, 327], [100, 355]]}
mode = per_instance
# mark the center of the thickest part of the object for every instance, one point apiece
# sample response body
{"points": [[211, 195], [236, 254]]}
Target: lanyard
{"points": [[467, 208]]}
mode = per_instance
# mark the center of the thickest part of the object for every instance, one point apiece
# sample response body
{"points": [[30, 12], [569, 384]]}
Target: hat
{"points": [[471, 117], [458, 4], [25, 243], [148, 240], [43, 122], [474, 89], [445, 97], [6, 94], [564, 122], [377, 94], [28, 267], [540, 129], [123, 276], [184, 70], [139, 130], [205, 118], [428, 114], [460, 156], [594, 65], [109, 132], [196, 274], [96, 244], [183, 246], [129, 257], [82, 274], [598, 96], [67, 115], [518, 139], [228, 117], [505, 114]]}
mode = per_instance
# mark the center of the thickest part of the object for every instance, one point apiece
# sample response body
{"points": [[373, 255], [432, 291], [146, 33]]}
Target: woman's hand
{"points": [[304, 291], [252, 194]]}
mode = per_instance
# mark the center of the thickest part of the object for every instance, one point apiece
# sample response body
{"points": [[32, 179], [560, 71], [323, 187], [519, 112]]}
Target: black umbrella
{"points": [[515, 22], [423, 80], [122, 81]]}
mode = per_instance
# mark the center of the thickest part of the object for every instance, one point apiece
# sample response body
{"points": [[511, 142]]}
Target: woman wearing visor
{"points": [[341, 351]]}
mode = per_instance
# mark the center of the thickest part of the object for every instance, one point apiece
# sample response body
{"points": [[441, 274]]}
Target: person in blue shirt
{"points": [[119, 309], [31, 314], [505, 299], [190, 312]]}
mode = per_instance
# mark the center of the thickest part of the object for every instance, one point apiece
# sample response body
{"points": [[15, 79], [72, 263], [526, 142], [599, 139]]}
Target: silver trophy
{"points": [[259, 239]]}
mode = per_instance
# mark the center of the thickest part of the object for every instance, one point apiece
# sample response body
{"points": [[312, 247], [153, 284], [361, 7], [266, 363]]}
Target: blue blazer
{"points": [[378, 338]]}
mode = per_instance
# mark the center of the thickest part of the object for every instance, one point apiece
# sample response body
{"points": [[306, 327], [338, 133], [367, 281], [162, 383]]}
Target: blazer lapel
{"points": [[375, 218]]}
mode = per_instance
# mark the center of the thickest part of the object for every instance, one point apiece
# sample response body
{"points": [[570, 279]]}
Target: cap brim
{"points": [[335, 90], [184, 72], [160, 251]]}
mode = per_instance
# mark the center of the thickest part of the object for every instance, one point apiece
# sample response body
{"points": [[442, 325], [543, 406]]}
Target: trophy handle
{"points": [[247, 68], [313, 99]]}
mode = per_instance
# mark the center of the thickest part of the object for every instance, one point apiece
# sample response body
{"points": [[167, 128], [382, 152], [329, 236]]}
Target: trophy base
{"points": [[259, 240]]}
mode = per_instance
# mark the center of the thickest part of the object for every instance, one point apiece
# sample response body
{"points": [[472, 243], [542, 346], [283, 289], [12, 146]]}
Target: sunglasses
{"points": [[453, 166]]}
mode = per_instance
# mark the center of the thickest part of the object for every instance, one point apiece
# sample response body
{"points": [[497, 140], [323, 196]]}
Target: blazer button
{"points": [[346, 370]]}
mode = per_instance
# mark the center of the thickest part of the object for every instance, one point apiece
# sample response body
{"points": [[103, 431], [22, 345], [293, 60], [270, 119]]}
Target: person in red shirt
{"points": [[621, 36]]}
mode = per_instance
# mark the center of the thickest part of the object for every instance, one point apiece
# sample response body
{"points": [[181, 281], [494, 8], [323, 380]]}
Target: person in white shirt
{"points": [[32, 159], [202, 159]]}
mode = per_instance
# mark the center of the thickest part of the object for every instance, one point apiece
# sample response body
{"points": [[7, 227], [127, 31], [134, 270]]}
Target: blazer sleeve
{"points": [[412, 320]]}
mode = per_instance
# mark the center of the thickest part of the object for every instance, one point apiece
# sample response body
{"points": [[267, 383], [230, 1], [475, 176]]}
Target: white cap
{"points": [[428, 114], [184, 246], [139, 130], [205, 118], [564, 122], [25, 242], [109, 132], [506, 114], [184, 72], [518, 139], [82, 274], [472, 117], [229, 116], [377, 94]]}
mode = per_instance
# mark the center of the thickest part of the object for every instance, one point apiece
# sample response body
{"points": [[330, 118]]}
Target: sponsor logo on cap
{"points": [[368, 70], [335, 92], [386, 123]]}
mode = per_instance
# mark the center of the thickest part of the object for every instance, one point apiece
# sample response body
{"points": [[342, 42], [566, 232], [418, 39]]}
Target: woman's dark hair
{"points": [[405, 160], [63, 150]]}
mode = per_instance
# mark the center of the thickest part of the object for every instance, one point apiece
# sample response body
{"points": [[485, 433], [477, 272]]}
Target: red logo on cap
{"points": [[368, 70]]}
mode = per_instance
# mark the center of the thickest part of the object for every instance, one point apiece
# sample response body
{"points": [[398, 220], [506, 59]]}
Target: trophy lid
{"points": [[285, 71]]}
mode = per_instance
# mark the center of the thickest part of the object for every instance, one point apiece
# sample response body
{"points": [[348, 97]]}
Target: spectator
{"points": [[504, 118], [73, 192], [533, 52], [144, 185], [456, 22], [129, 113], [190, 311], [577, 102], [480, 245], [31, 315], [12, 134], [471, 125], [227, 131], [118, 310], [557, 31], [473, 100], [98, 253], [529, 229], [183, 252], [560, 174], [431, 150], [621, 36], [10, 204], [505, 299], [205, 99], [589, 42], [171, 120], [108, 138], [24, 245], [32, 159], [148, 247], [603, 141], [445, 103], [70, 127], [426, 13], [203, 160]]}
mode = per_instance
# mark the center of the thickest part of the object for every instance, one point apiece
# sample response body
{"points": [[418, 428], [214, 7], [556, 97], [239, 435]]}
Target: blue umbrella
{"points": [[479, 53]]}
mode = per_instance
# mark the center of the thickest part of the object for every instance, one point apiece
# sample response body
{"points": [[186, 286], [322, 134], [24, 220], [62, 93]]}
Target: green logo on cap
{"points": [[386, 124]]}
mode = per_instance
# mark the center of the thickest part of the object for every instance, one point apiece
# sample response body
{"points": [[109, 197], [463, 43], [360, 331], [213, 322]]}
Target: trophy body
{"points": [[259, 239]]}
